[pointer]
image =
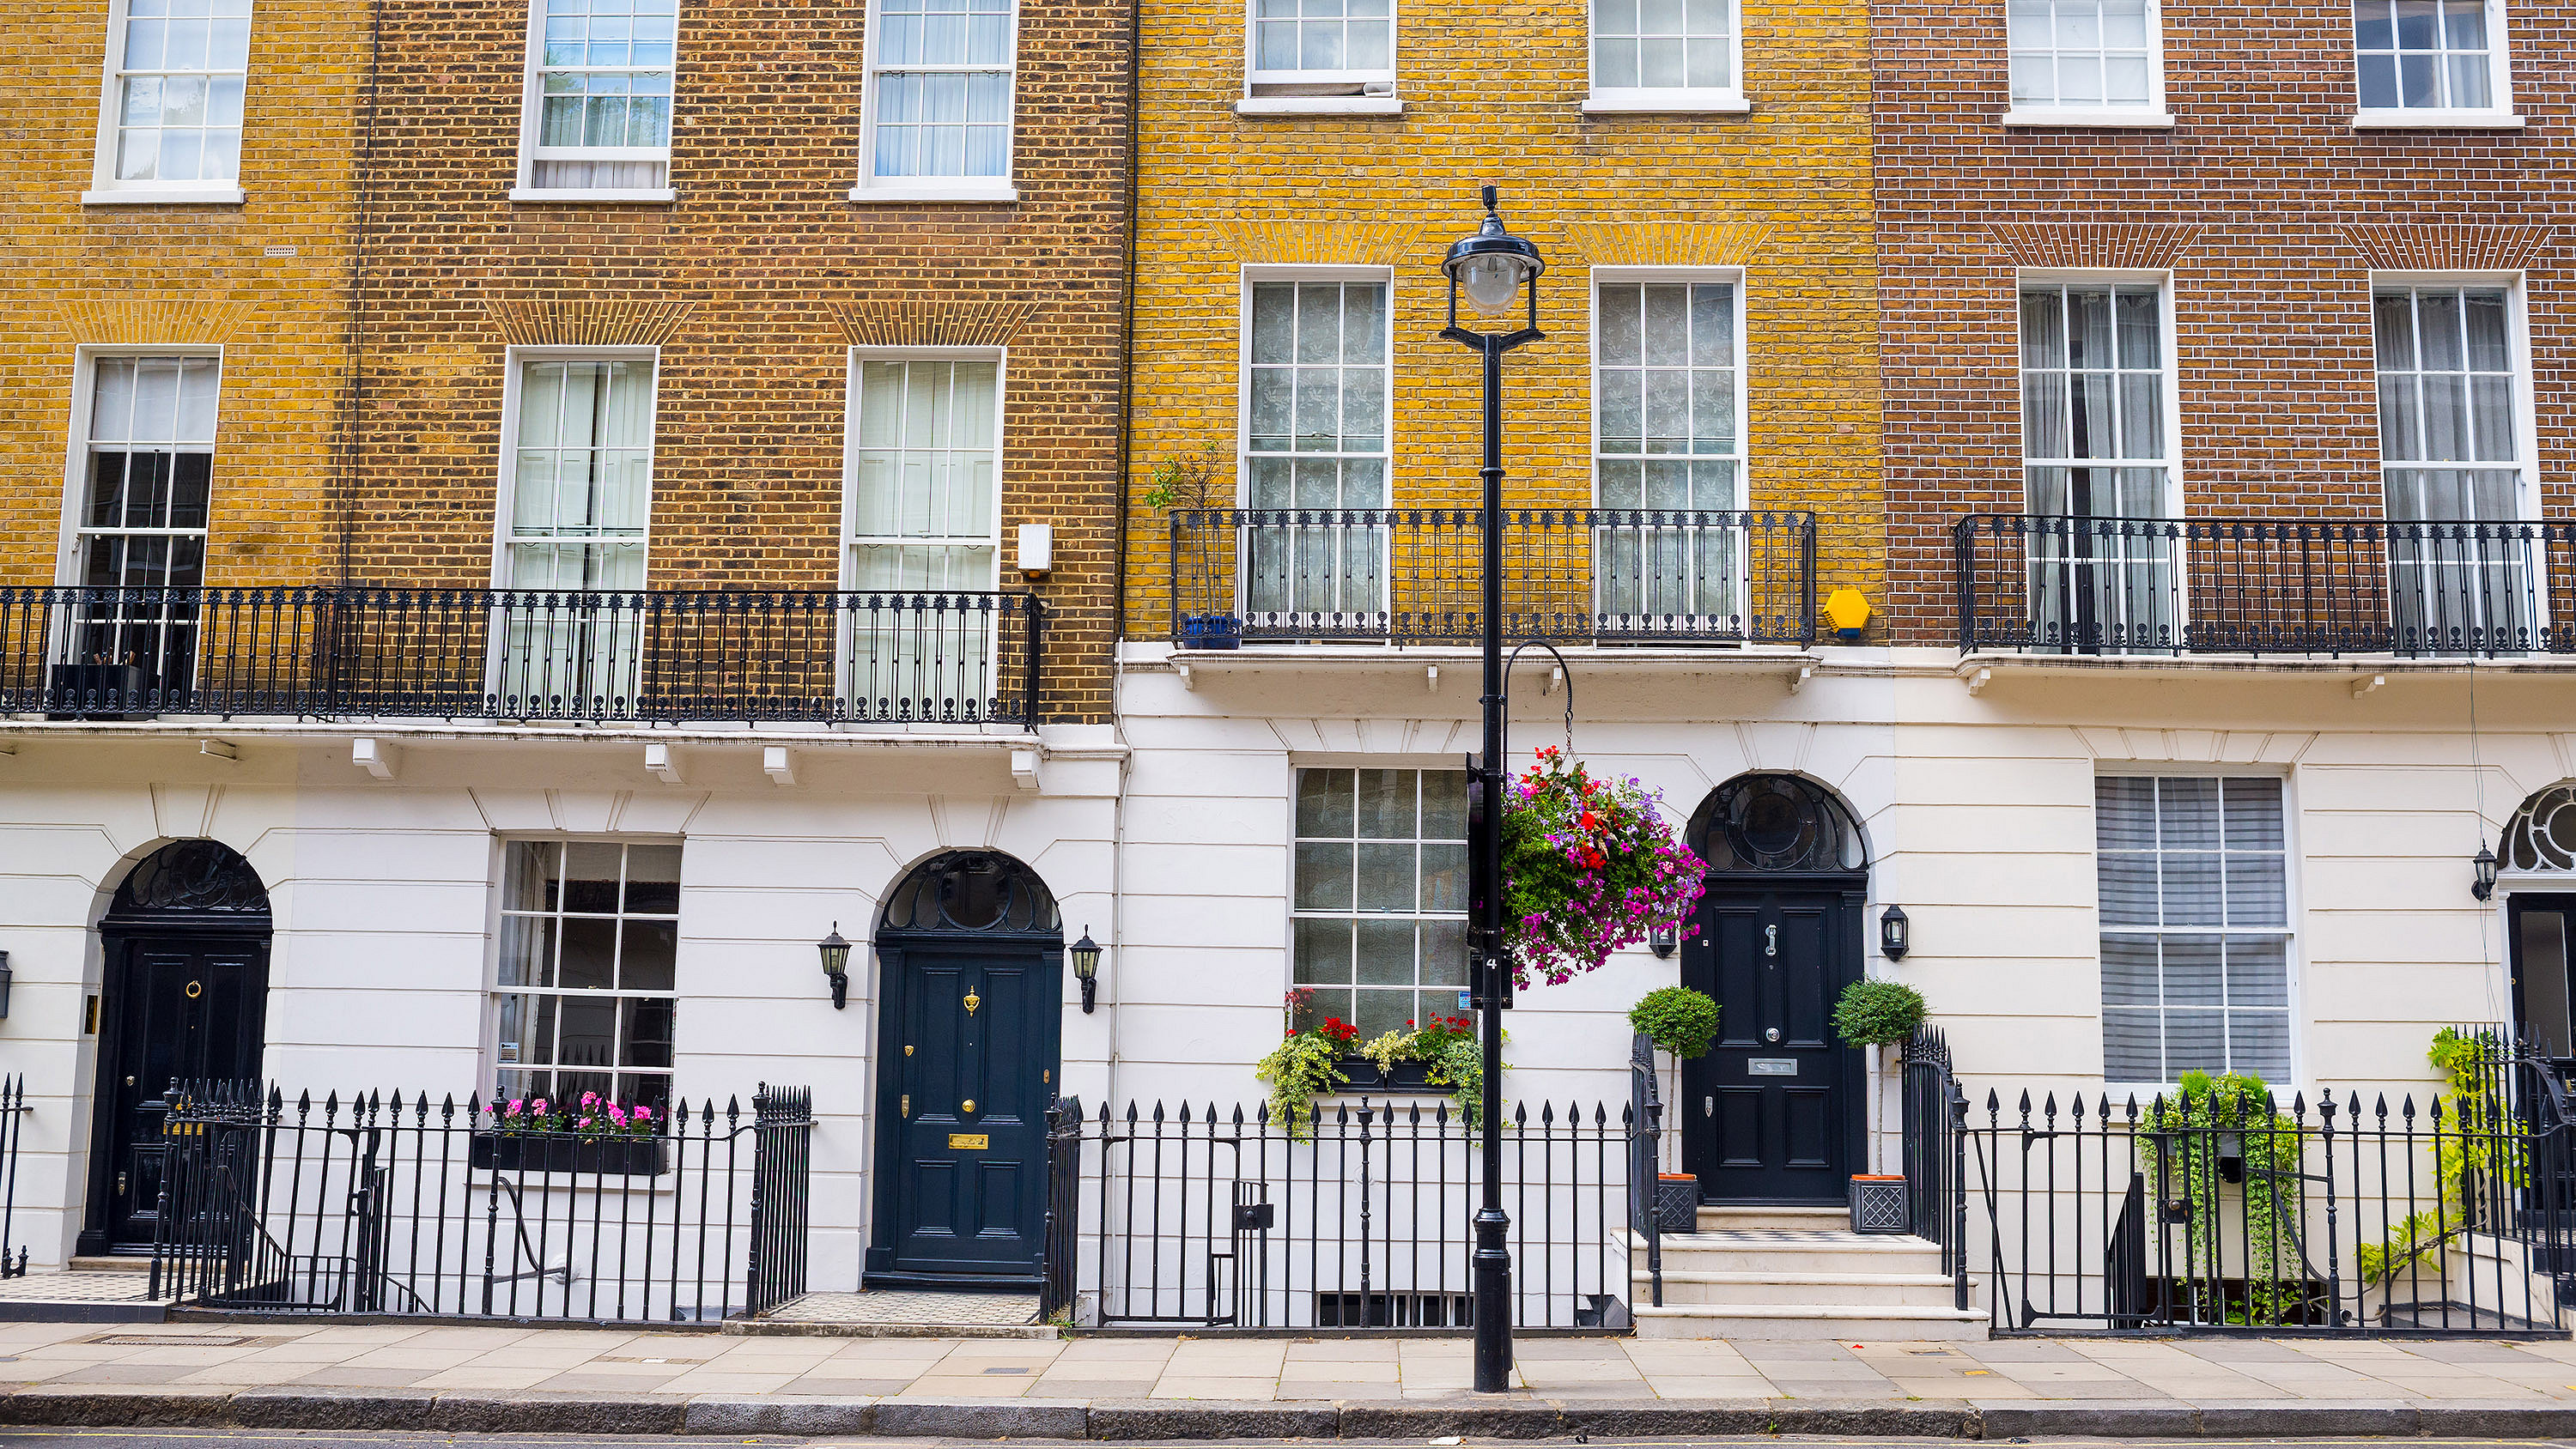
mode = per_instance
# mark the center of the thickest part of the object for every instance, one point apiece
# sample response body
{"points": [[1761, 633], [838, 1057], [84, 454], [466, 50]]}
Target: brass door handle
{"points": [[907, 1105], [120, 1184], [970, 1104]]}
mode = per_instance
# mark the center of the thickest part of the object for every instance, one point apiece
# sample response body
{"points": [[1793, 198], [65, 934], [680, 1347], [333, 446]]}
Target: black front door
{"points": [[175, 1008], [1771, 1112], [969, 1061], [2543, 942]]}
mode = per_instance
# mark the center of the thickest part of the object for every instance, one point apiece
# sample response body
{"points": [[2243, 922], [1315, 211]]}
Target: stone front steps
{"points": [[1753, 1272]]}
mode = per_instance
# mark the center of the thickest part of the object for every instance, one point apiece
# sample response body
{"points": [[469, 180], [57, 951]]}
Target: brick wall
{"points": [[1492, 93], [2270, 212], [264, 281], [754, 284]]}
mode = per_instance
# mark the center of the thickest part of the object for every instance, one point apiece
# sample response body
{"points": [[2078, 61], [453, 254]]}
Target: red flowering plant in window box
{"points": [[1590, 866]]}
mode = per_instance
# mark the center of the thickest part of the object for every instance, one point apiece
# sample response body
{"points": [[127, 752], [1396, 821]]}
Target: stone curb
{"points": [[1520, 1417]]}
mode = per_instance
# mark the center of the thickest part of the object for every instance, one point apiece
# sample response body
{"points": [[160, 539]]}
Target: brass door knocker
{"points": [[972, 1001], [196, 989]]}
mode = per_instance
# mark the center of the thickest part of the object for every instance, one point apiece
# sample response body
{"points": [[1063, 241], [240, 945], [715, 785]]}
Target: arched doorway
{"points": [[184, 998], [2538, 860], [970, 957], [1773, 1112]]}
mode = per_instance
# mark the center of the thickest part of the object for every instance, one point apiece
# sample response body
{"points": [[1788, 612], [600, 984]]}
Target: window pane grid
{"points": [[2094, 445], [2450, 452], [2195, 927], [1316, 437], [943, 88], [1663, 44], [585, 995], [925, 499], [2423, 54], [2081, 53], [1666, 436], [1324, 39], [142, 520], [1380, 894], [180, 72]]}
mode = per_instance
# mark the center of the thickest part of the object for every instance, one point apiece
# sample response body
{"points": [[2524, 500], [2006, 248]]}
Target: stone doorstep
{"points": [[1516, 1417]]}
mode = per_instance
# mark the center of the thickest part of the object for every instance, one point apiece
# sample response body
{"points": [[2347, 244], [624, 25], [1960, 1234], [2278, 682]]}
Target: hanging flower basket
{"points": [[1589, 867]]}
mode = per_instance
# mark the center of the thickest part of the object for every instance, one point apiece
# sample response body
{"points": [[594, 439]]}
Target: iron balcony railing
{"points": [[2081, 585], [1415, 575], [594, 656]]}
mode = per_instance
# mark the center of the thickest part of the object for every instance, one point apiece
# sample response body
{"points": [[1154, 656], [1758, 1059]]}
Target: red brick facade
{"points": [[2268, 209], [754, 282]]}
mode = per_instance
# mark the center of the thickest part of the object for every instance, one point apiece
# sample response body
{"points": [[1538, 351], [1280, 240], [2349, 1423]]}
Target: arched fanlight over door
{"points": [[1777, 823], [2542, 834], [192, 878], [980, 892]]}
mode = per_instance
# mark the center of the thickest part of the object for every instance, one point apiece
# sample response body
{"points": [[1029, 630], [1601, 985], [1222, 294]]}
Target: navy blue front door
{"points": [[969, 1059]]}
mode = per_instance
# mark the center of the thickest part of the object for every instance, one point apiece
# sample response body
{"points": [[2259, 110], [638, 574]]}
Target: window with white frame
{"points": [[172, 114], [1322, 48], [2195, 926], [1665, 52], [924, 521], [2429, 55], [587, 984], [1666, 438], [940, 95], [2450, 452], [2084, 55], [1380, 899], [599, 96], [578, 497], [147, 479], [1316, 438], [2097, 461]]}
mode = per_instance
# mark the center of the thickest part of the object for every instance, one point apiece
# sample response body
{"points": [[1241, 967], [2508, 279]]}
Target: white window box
{"points": [[932, 188], [643, 196], [217, 195], [1666, 102], [1320, 106], [2428, 119], [2097, 118]]}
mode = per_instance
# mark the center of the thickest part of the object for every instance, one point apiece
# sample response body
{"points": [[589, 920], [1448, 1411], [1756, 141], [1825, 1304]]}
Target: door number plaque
{"points": [[1771, 1066], [970, 1141]]}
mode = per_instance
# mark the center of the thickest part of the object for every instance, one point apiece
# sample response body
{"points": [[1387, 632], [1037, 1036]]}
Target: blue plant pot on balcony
{"points": [[1211, 631]]}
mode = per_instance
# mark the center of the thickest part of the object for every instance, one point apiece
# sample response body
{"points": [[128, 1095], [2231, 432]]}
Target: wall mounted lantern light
{"points": [[4, 985], [1085, 956], [1895, 933], [1664, 941], [836, 965], [2484, 887]]}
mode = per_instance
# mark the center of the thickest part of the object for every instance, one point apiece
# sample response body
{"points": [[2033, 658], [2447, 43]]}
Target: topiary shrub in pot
{"points": [[1877, 1013], [1681, 1022]]}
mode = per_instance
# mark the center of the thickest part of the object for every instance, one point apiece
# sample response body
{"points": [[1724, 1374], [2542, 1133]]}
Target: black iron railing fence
{"points": [[2080, 585], [2374, 1212], [1935, 1150], [13, 1137], [1193, 1216], [598, 656], [1570, 575], [1646, 1115], [1058, 1277], [398, 1205]]}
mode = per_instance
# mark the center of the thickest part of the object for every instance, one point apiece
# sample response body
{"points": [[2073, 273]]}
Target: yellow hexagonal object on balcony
{"points": [[1849, 613]]}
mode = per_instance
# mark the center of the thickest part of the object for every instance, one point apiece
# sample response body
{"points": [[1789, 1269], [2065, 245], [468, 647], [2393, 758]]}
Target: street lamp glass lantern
{"points": [[836, 965], [2484, 886], [1492, 267]]}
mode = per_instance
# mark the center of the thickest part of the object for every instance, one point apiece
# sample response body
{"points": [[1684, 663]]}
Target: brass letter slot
{"points": [[969, 1141]]}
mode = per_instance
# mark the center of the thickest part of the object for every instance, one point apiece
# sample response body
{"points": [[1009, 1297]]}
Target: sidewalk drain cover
{"points": [[1010, 1371], [179, 1340]]}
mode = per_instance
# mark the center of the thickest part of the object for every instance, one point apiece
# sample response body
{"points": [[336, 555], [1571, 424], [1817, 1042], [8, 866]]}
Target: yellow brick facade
{"points": [[265, 281], [1494, 93]]}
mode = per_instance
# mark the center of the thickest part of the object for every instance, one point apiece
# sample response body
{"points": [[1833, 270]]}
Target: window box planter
{"points": [[1879, 1204], [1676, 1202], [605, 1157], [1408, 1078], [1211, 631]]}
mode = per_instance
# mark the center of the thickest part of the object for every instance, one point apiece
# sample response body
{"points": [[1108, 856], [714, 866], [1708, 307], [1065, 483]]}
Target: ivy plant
{"points": [[2185, 1173]]}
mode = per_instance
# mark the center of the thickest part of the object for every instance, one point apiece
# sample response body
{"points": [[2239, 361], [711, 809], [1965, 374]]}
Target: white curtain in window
{"points": [[2450, 453], [2094, 445], [1317, 439], [582, 492], [1666, 438], [943, 88], [925, 524]]}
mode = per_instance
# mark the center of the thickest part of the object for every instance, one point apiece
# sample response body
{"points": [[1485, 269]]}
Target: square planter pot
{"points": [[1676, 1203], [608, 1157], [1879, 1204], [1410, 1078], [1211, 631]]}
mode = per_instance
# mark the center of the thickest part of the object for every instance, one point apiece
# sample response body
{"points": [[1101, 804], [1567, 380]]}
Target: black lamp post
{"points": [[1499, 273], [836, 965]]}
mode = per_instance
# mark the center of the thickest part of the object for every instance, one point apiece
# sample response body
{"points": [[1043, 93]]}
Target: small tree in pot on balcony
{"points": [[1189, 482]]}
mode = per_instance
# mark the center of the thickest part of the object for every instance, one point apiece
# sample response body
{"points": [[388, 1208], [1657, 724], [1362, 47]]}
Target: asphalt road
{"points": [[289, 1439]]}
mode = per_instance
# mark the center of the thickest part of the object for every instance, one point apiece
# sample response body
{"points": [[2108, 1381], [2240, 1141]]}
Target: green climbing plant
{"points": [[2209, 1116], [2476, 1138]]}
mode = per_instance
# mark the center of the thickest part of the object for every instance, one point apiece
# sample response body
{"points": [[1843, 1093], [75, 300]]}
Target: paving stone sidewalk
{"points": [[438, 1376]]}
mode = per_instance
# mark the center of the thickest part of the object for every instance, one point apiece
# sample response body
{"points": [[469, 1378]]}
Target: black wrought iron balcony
{"points": [[662, 657], [1570, 575], [2315, 586]]}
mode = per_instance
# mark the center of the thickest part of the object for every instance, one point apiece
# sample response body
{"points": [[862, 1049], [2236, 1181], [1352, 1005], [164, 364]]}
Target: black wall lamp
{"points": [[1664, 941], [1085, 956], [2483, 888], [836, 965], [1895, 933], [4, 985]]}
